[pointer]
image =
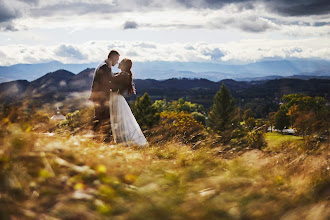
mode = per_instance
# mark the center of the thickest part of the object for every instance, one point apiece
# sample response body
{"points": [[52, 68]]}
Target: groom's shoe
{"points": [[96, 124], [107, 139]]}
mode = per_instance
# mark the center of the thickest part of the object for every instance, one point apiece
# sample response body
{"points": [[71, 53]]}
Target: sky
{"points": [[227, 31]]}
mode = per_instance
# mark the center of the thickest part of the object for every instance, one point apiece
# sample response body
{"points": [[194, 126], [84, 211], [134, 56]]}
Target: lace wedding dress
{"points": [[124, 126]]}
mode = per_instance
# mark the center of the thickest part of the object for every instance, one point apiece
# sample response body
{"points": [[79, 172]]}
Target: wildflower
{"points": [[79, 186], [101, 169]]}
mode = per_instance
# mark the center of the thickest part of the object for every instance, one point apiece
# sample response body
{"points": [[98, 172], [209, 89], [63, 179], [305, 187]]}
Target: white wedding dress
{"points": [[125, 129]]}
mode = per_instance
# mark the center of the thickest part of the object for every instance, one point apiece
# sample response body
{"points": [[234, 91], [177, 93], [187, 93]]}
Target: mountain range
{"points": [[72, 90], [161, 70]]}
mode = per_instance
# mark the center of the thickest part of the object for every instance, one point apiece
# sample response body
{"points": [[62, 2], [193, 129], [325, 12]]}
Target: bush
{"points": [[181, 126], [40, 118], [78, 119], [199, 117], [256, 139]]}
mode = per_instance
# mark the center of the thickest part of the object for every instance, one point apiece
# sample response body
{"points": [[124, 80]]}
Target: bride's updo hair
{"points": [[127, 65]]}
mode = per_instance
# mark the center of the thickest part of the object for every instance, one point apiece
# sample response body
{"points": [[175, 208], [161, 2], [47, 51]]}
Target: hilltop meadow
{"points": [[198, 165]]}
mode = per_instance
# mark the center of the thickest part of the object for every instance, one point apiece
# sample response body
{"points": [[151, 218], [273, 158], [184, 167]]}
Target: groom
{"points": [[101, 88]]}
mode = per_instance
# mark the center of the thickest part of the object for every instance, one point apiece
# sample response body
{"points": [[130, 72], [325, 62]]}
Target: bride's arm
{"points": [[119, 82]]}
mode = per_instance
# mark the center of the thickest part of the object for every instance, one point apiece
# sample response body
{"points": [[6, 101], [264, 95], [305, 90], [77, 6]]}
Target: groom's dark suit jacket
{"points": [[103, 82]]}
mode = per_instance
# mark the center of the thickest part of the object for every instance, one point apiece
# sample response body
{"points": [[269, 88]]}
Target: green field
{"points": [[277, 141]]}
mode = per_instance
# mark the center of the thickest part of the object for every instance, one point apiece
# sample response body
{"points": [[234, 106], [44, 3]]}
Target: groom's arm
{"points": [[100, 86]]}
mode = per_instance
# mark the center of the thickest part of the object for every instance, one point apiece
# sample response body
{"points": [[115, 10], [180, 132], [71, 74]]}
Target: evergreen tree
{"points": [[223, 115], [145, 113]]}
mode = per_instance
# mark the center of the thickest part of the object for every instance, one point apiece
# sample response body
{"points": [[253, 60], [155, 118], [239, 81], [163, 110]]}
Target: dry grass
{"points": [[76, 177]]}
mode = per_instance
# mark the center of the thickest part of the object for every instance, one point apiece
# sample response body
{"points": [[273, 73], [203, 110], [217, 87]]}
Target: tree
{"points": [[281, 119], [270, 122], [296, 103], [182, 105], [145, 113], [250, 123], [240, 113], [305, 111], [248, 114], [223, 115], [304, 123]]}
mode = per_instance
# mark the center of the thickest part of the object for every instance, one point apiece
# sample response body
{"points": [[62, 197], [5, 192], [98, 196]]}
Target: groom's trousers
{"points": [[101, 120], [102, 112]]}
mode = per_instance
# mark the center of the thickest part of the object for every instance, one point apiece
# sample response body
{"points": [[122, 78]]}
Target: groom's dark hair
{"points": [[113, 53]]}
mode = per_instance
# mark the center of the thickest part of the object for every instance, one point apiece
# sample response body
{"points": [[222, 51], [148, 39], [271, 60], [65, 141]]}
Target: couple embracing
{"points": [[108, 91]]}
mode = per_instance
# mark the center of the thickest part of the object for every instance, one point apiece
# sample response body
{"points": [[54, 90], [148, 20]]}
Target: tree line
{"points": [[308, 116]]}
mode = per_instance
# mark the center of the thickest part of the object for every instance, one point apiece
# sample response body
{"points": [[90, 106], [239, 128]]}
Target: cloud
{"points": [[146, 45], [251, 16], [2, 55], [239, 52], [215, 54], [69, 51], [132, 54], [7, 26], [300, 8], [257, 24], [319, 24], [130, 25], [8, 12], [246, 22], [216, 4], [284, 7]]}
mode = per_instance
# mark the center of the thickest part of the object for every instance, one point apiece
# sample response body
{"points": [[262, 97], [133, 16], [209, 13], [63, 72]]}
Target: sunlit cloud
{"points": [[243, 51], [82, 31]]}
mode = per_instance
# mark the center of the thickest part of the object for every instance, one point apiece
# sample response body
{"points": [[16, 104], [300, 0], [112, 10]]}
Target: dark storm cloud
{"points": [[130, 25], [299, 7], [69, 51], [284, 7], [10, 10], [7, 13]]}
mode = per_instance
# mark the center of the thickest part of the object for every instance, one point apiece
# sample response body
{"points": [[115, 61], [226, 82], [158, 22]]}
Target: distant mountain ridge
{"points": [[61, 85], [31, 72], [161, 70]]}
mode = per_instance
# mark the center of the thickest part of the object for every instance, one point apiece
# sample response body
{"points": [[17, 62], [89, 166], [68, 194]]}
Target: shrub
{"points": [[199, 117], [181, 125], [256, 139]]}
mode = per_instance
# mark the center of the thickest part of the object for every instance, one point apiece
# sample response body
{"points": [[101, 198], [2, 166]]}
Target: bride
{"points": [[124, 126]]}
